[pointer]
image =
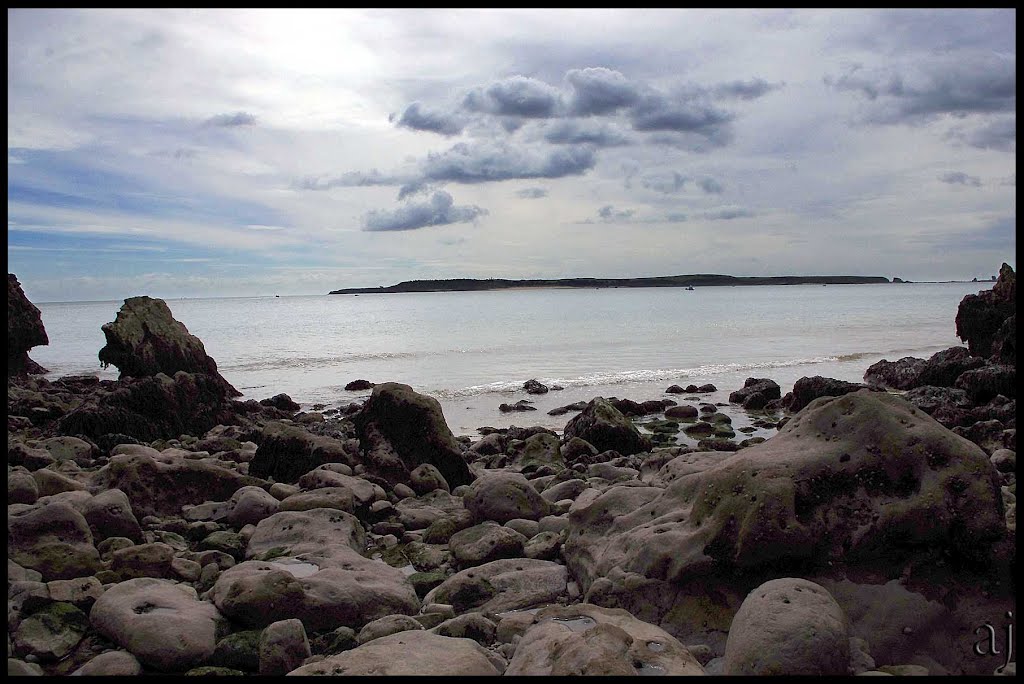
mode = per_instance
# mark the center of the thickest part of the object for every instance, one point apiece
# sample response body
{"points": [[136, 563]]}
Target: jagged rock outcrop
{"points": [[24, 330], [807, 389], [980, 317], [400, 429], [145, 339], [756, 393]]}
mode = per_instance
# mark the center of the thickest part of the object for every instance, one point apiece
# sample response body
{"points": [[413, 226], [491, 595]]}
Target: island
{"points": [[689, 281]]}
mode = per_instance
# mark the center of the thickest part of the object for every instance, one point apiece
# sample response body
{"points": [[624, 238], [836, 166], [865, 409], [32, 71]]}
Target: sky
{"points": [[198, 153]]}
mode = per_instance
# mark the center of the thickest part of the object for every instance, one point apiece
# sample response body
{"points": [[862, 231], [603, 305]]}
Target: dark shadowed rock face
{"points": [[806, 390], [24, 330], [902, 374], [605, 427], [400, 429], [980, 317], [756, 393], [151, 408], [287, 452], [145, 339]]}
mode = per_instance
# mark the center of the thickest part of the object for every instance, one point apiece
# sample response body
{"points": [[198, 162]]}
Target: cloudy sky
{"points": [[256, 152]]}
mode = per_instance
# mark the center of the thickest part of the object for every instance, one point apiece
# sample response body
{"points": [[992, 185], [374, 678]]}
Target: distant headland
{"points": [[694, 280]]}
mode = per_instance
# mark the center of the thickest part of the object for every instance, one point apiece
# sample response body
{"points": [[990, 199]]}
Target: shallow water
{"points": [[473, 350]]}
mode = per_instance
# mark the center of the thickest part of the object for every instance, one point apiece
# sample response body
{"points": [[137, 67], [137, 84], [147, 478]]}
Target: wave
{"points": [[317, 361], [632, 376]]}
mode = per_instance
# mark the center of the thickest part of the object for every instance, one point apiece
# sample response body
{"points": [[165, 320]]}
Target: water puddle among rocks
{"points": [[579, 624], [531, 611], [296, 568], [656, 646], [648, 670]]}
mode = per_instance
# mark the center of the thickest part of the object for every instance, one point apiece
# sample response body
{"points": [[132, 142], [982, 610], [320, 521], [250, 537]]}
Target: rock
{"points": [[536, 451], [675, 389], [543, 546], [562, 410], [948, 405], [54, 540], [163, 487], [152, 407], [521, 405], [684, 412], [51, 633], [1004, 344], [756, 392], [70, 449], [292, 533], [338, 587], [340, 498], [145, 339], [407, 653], [161, 623], [24, 330], [282, 647], [20, 668], [535, 387], [982, 384], [21, 487], [143, 560], [288, 452], [399, 422], [238, 651], [426, 478], [944, 367], [589, 640], [110, 664], [504, 496], [979, 317], [578, 450], [359, 386], [604, 426], [81, 593], [806, 390], [788, 627], [484, 543], [1005, 460], [109, 514], [389, 624], [281, 401], [251, 505], [863, 479], [902, 374], [502, 585], [473, 626]]}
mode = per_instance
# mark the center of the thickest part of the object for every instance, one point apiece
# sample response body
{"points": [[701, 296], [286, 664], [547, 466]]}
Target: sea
{"points": [[472, 351]]}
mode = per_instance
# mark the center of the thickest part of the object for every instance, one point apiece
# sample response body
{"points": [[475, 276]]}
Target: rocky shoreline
{"points": [[158, 525]]}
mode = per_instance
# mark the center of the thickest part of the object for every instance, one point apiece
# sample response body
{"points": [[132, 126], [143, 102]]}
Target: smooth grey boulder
{"points": [[604, 426], [788, 626], [502, 496], [283, 647], [52, 539]]}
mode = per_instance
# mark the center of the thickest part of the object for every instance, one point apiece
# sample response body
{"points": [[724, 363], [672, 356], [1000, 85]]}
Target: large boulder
{"points": [[502, 585], [987, 382], [53, 539], [807, 389], [944, 367], [865, 478], [788, 627], [161, 623], [287, 452], [150, 408], [902, 374], [605, 427], [24, 330], [502, 496], [414, 652], [163, 487], [145, 339], [399, 429], [980, 317], [584, 639]]}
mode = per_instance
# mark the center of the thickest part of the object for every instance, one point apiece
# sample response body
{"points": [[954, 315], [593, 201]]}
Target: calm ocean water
{"points": [[473, 350]]}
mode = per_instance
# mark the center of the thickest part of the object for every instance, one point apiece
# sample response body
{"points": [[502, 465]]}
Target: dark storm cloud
{"points": [[710, 186], [231, 120], [957, 85], [745, 90], [577, 132], [439, 211], [598, 91], [665, 183], [532, 193], [515, 96], [490, 161], [999, 134], [418, 118], [960, 178], [687, 115]]}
